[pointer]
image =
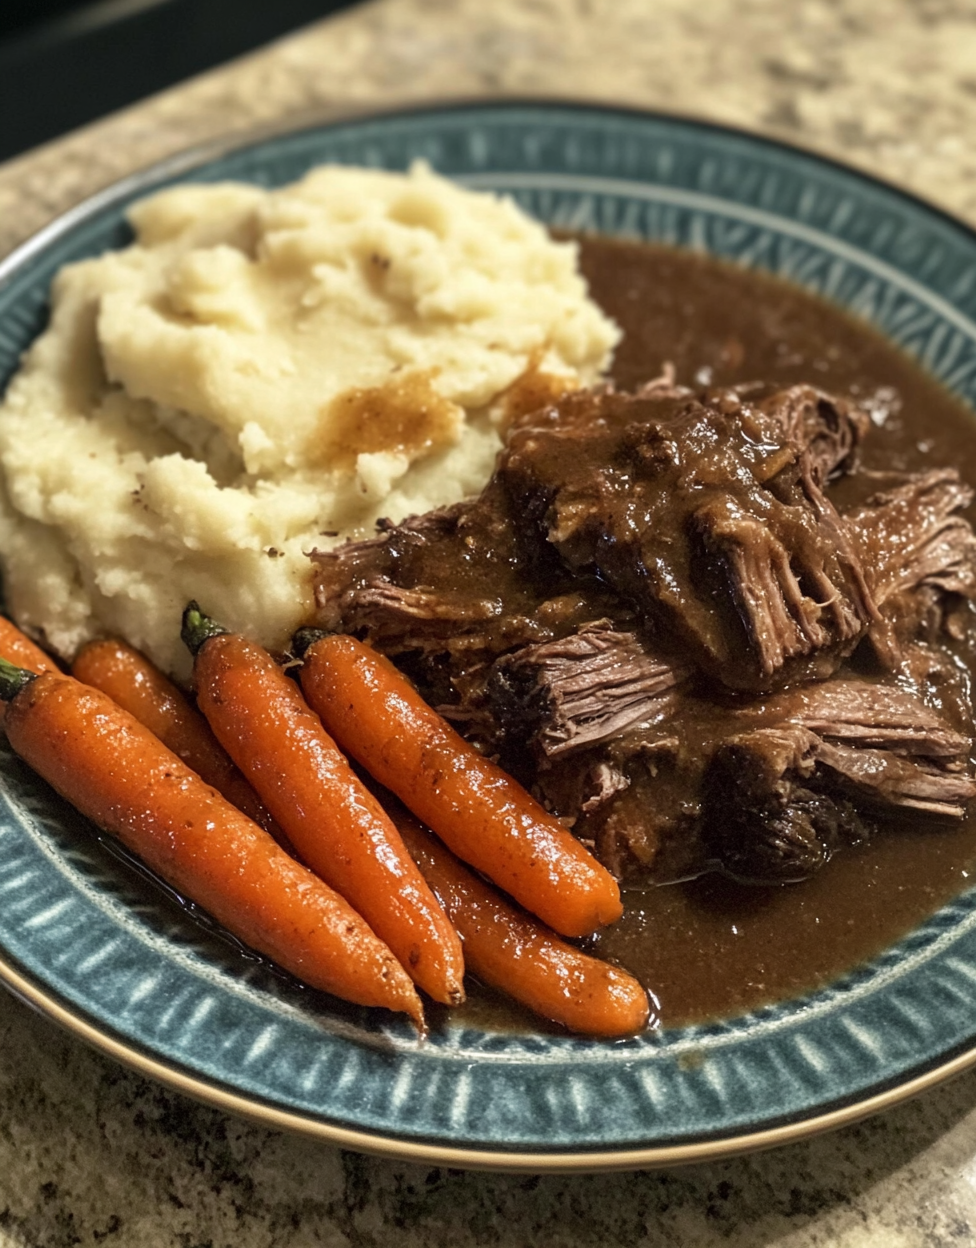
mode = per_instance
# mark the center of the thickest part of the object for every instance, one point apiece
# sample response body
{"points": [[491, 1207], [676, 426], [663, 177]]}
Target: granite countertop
{"points": [[93, 1154]]}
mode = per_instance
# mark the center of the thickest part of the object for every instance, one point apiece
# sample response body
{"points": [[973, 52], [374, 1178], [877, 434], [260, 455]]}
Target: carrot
{"points": [[488, 819], [334, 822], [141, 688], [17, 648], [509, 950], [115, 771]]}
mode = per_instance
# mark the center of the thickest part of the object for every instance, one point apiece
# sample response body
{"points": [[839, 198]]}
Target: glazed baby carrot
{"points": [[334, 822], [488, 819], [141, 689], [115, 771], [508, 949], [17, 648]]}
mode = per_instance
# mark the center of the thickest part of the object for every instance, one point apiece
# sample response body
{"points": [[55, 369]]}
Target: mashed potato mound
{"points": [[261, 373]]}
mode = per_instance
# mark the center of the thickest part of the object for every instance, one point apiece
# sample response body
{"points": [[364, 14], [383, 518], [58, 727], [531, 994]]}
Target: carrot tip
{"points": [[13, 679], [197, 628], [304, 639]]}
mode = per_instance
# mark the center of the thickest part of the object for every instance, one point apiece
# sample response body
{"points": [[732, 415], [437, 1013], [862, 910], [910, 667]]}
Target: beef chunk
{"points": [[828, 429], [885, 743], [884, 779], [771, 789], [824, 763], [761, 818], [574, 693], [922, 557], [450, 591], [781, 799], [707, 513], [393, 589], [868, 715], [883, 740]]}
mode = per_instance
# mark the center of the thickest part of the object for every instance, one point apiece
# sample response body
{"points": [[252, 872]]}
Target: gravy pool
{"points": [[709, 947]]}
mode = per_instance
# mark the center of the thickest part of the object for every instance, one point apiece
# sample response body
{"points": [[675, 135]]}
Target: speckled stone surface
{"points": [[91, 1154]]}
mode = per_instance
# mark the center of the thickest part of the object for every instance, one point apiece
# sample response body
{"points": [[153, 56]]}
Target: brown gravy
{"points": [[709, 947]]}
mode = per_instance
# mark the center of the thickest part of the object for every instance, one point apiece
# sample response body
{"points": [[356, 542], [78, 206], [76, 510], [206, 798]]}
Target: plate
{"points": [[90, 938]]}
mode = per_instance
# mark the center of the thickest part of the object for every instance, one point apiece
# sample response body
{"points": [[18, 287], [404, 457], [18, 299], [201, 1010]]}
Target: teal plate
{"points": [[93, 940]]}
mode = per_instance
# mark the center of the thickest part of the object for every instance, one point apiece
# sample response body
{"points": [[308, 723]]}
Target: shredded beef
{"points": [[827, 760], [453, 590], [828, 429], [567, 695], [886, 779], [922, 556], [707, 514], [867, 714]]}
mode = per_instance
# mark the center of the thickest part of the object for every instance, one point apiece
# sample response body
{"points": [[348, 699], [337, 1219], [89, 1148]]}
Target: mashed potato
{"points": [[261, 373]]}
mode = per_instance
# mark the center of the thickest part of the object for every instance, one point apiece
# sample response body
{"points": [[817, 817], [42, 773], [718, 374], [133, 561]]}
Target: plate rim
{"points": [[392, 1147], [186, 159], [47, 1002], [397, 1148]]}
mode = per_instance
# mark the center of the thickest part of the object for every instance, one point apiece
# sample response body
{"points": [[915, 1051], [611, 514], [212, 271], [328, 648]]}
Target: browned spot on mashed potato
{"points": [[404, 416]]}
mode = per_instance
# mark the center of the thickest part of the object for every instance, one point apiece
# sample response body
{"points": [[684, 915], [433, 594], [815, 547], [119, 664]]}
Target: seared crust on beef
{"points": [[761, 818]]}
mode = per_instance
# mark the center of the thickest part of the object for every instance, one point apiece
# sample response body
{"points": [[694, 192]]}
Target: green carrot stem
{"points": [[13, 679], [304, 639], [198, 628]]}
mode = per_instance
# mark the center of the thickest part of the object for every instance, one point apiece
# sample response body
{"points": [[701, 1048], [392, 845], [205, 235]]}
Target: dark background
{"points": [[64, 63]]}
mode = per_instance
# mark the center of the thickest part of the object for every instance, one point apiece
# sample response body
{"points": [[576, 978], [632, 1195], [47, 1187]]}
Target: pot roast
{"points": [[662, 618]]}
